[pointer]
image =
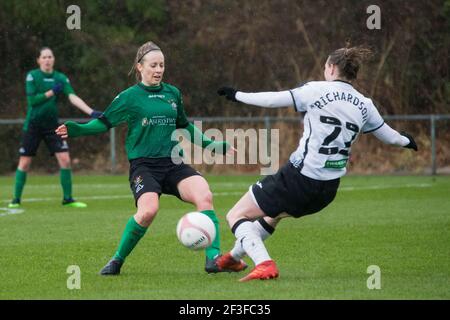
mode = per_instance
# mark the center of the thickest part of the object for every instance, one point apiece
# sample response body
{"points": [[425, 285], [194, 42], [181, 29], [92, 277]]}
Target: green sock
{"points": [[66, 182], [131, 236], [214, 249], [21, 178]]}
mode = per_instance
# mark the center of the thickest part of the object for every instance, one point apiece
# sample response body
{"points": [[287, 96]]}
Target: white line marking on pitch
{"points": [[9, 211], [236, 193], [381, 187]]}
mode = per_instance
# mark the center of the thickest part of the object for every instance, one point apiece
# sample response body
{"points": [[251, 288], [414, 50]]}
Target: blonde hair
{"points": [[142, 51]]}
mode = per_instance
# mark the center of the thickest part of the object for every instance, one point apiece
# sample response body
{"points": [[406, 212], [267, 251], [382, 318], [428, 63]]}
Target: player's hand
{"points": [[96, 114], [57, 88], [228, 92], [412, 144], [62, 131]]}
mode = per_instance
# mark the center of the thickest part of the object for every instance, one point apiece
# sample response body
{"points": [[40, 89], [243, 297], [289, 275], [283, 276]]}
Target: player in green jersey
{"points": [[153, 110], [43, 87]]}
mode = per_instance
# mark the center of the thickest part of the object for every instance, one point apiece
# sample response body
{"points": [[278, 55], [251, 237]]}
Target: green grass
{"points": [[401, 224]]}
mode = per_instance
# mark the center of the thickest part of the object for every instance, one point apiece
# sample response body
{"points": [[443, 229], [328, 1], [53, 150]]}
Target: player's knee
{"points": [[146, 215], [24, 164], [64, 163], [231, 218], [238, 213], [205, 200]]}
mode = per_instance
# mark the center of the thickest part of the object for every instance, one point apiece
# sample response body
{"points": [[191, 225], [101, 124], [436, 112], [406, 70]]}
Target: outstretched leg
{"points": [[264, 226], [241, 220], [136, 227]]}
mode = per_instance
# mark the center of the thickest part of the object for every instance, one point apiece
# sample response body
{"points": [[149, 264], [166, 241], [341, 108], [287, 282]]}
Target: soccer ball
{"points": [[196, 231]]}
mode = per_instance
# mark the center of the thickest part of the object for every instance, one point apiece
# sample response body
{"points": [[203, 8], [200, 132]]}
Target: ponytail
{"points": [[349, 60]]}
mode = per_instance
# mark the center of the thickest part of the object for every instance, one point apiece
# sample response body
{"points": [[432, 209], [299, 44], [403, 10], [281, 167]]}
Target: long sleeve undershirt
{"points": [[267, 99], [389, 136], [36, 99], [284, 99], [196, 136], [95, 126]]}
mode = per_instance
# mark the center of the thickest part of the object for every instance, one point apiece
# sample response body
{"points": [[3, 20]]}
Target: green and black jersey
{"points": [[152, 113], [43, 111]]}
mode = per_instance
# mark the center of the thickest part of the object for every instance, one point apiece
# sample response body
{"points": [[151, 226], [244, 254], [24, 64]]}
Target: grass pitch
{"points": [[400, 224]]}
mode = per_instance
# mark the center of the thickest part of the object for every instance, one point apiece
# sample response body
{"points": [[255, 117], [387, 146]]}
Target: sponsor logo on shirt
{"points": [[158, 121], [336, 164], [156, 96], [49, 80], [259, 184]]}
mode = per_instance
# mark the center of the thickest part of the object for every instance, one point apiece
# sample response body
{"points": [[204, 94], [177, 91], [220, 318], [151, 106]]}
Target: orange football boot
{"points": [[263, 271], [227, 263]]}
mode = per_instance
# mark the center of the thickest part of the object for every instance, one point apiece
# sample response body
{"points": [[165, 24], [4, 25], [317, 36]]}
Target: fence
{"points": [[268, 121]]}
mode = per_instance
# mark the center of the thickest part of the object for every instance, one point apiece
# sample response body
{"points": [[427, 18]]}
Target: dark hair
{"points": [[349, 60], [142, 51], [42, 49]]}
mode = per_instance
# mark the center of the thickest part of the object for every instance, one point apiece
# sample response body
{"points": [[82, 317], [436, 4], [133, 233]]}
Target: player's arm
{"points": [[74, 129], [115, 114], [390, 136], [34, 99], [197, 137], [375, 124], [80, 104], [76, 100], [37, 99], [261, 99]]}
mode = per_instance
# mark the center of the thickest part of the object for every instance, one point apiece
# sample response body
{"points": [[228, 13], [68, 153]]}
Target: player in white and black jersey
{"points": [[335, 114]]}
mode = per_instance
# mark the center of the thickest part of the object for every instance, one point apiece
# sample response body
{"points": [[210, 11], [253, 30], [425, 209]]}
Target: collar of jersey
{"points": [[343, 81], [46, 74], [150, 88]]}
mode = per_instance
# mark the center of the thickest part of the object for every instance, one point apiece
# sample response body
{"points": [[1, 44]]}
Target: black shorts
{"points": [[291, 192], [33, 137], [159, 175]]}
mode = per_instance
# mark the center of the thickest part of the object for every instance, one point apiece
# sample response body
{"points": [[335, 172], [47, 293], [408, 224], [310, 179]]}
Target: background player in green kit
{"points": [[153, 110], [43, 88]]}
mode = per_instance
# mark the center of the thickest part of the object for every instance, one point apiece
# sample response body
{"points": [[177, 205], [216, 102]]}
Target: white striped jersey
{"points": [[335, 115]]}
